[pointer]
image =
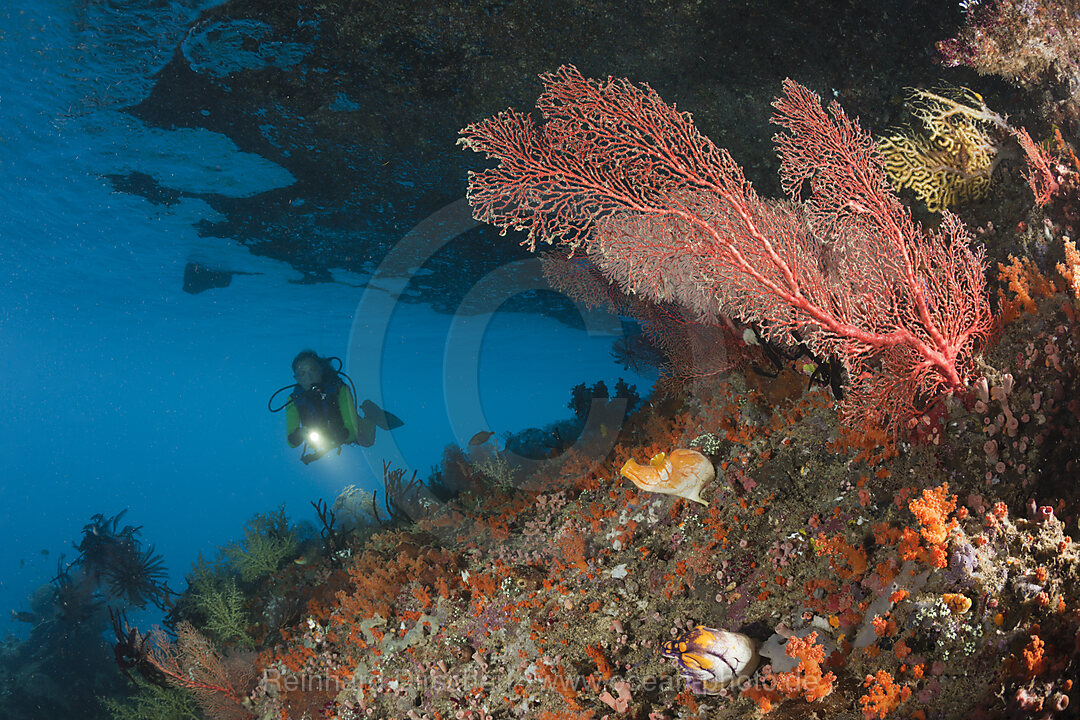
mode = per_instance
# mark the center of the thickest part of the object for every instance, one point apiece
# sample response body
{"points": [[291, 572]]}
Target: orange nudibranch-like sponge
{"points": [[683, 473]]}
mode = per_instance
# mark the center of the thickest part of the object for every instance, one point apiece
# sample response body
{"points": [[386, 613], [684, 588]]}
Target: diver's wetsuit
{"points": [[330, 410]]}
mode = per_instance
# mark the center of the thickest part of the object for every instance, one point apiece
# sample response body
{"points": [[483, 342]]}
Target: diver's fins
{"points": [[382, 418], [365, 432]]}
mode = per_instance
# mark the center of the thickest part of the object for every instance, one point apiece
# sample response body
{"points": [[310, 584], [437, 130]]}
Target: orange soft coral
{"points": [[1070, 269], [843, 553], [807, 676], [1025, 281], [1033, 657], [807, 679], [883, 695], [932, 510]]}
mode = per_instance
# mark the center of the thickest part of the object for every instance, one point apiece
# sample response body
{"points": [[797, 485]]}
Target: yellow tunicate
{"points": [[957, 603]]}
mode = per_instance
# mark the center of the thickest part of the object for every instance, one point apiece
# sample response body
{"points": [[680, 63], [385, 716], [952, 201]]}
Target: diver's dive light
{"points": [[314, 438]]}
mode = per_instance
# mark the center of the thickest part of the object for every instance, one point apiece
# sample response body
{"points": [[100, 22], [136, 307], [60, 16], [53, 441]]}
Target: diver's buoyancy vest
{"points": [[318, 409]]}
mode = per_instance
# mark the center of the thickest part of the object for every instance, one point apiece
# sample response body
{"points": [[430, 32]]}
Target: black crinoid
{"points": [[138, 576], [103, 540], [132, 651], [123, 568], [637, 352]]}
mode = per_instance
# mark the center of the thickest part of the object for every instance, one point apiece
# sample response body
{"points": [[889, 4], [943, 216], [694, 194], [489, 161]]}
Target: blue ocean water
{"points": [[122, 392]]}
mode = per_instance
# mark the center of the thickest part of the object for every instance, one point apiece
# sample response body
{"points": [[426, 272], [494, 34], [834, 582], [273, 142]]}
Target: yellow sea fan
{"points": [[951, 160]]}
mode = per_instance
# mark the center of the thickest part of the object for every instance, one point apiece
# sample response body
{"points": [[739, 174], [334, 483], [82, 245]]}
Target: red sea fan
{"points": [[666, 215], [692, 347]]}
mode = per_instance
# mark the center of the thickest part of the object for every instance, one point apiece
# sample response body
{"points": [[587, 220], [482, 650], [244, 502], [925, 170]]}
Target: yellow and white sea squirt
{"points": [[682, 472]]}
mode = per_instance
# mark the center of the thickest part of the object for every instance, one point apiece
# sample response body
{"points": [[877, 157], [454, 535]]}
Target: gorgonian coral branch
{"points": [[666, 214]]}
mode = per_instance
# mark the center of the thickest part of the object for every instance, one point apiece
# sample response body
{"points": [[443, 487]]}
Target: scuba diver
{"points": [[321, 412]]}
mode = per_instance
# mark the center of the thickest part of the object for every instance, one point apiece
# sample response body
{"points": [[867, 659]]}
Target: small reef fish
{"points": [[683, 473], [480, 438], [23, 616], [309, 553], [710, 659]]}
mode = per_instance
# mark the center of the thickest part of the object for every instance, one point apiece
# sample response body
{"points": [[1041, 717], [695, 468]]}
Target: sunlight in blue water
{"points": [[122, 391]]}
